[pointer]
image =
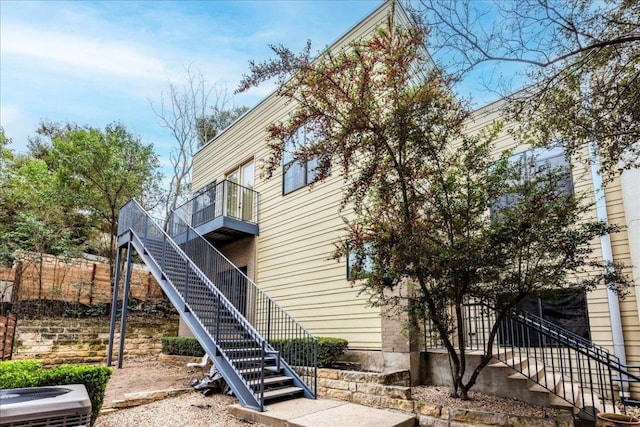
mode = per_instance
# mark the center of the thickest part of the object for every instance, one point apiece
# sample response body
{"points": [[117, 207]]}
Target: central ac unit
{"points": [[59, 406]]}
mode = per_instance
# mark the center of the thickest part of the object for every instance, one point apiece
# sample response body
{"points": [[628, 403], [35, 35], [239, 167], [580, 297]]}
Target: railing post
{"points": [[225, 192], [125, 302], [187, 269], [146, 228], [268, 320], [264, 354]]}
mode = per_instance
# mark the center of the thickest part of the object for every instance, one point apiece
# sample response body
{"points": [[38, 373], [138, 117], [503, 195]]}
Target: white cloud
{"points": [[80, 53], [17, 125]]}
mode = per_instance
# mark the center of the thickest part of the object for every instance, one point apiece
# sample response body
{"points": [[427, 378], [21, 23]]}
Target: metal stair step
{"points": [[247, 349], [246, 360], [238, 342], [269, 381], [283, 392], [256, 370]]}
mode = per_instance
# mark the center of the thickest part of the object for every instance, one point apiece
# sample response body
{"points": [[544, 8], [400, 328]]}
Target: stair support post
{"points": [[125, 303], [264, 353], [114, 306]]}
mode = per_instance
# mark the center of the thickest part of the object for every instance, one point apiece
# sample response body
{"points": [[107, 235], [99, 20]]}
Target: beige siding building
{"points": [[289, 252]]}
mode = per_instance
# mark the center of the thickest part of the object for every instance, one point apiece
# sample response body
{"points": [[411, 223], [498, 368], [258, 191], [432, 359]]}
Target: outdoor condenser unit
{"points": [[59, 406]]}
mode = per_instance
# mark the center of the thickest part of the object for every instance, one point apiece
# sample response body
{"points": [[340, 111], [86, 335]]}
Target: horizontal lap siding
{"points": [[597, 301], [298, 231], [297, 240]]}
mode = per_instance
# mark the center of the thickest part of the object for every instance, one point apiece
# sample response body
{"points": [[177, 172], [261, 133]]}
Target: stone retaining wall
{"points": [[392, 391], [86, 340]]}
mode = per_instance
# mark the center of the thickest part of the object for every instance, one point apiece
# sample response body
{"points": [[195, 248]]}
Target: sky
{"points": [[93, 63], [97, 62]]}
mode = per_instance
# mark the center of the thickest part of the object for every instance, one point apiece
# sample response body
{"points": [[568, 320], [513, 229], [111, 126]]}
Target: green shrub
{"points": [[29, 373], [20, 373], [329, 349], [299, 351], [182, 346], [94, 378]]}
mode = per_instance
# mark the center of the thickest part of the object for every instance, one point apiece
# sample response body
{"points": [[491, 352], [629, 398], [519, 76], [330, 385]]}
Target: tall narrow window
{"points": [[241, 197], [297, 173]]}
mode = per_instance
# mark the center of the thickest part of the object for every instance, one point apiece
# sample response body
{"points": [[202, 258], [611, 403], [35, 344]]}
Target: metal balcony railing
{"points": [[225, 198], [575, 370]]}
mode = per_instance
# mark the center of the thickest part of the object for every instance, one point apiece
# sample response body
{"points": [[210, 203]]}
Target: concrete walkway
{"points": [[323, 413]]}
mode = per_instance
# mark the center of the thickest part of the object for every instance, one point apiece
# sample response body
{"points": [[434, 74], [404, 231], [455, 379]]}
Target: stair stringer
{"points": [[240, 389]]}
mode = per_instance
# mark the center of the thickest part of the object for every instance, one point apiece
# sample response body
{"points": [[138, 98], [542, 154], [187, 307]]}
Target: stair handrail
{"points": [[309, 381], [184, 226], [577, 342], [262, 292], [263, 343], [605, 362]]}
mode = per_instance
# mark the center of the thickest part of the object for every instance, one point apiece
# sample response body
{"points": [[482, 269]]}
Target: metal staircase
{"points": [[216, 300], [552, 366]]}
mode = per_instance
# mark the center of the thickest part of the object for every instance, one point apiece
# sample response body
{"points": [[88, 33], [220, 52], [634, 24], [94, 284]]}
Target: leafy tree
{"points": [[5, 153], [216, 121], [421, 190], [580, 59], [193, 114], [34, 220], [103, 169]]}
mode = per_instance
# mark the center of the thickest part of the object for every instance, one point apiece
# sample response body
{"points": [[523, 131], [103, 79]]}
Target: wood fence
{"points": [[7, 335], [79, 280]]}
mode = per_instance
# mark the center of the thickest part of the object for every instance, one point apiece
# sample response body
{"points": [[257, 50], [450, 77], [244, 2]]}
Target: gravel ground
{"points": [[194, 409], [481, 402], [187, 410]]}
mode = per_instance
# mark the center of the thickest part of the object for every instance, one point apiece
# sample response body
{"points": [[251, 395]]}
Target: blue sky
{"points": [[93, 63], [96, 62]]}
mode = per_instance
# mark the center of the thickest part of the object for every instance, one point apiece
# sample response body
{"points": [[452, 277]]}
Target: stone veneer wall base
{"points": [[393, 391]]}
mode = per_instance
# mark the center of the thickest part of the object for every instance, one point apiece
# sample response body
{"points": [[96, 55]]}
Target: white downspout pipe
{"points": [[607, 255]]}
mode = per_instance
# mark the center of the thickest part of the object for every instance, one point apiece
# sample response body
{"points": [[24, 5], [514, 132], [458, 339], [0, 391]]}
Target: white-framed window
{"points": [[296, 173]]}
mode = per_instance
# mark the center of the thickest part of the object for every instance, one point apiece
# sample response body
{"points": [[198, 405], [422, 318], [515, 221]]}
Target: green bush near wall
{"points": [[299, 351], [182, 346], [29, 373], [20, 373]]}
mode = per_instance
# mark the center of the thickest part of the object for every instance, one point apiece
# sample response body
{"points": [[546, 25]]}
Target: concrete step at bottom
{"points": [[323, 413], [589, 400], [560, 403]]}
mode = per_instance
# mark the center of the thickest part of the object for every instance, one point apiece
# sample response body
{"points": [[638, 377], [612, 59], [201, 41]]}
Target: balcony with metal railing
{"points": [[221, 212]]}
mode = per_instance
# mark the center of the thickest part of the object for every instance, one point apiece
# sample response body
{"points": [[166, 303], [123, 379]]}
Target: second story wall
{"points": [[294, 263]]}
